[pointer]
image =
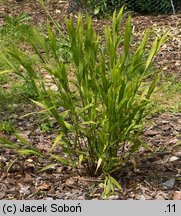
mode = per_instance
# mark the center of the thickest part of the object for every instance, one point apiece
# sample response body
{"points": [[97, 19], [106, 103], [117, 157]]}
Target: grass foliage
{"points": [[99, 102]]}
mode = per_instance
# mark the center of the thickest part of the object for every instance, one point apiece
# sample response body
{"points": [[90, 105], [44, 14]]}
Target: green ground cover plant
{"points": [[13, 28], [6, 127], [167, 96]]}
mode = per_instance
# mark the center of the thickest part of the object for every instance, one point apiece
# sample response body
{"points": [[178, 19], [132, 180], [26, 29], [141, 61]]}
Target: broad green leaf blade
{"points": [[127, 36], [96, 10], [5, 72], [4, 142], [57, 141], [60, 159], [152, 53], [29, 152], [22, 139], [11, 164], [49, 166], [81, 158], [42, 105], [98, 164], [115, 183]]}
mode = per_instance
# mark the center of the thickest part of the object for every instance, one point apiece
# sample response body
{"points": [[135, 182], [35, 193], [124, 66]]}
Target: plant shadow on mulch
{"points": [[151, 176]]}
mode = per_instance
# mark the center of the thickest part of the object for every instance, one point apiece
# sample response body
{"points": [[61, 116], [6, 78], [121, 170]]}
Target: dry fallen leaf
{"points": [[43, 187], [70, 181], [27, 179], [173, 158], [177, 195]]}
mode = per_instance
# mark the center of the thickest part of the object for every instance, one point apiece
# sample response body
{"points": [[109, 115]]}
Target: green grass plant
{"points": [[100, 104]]}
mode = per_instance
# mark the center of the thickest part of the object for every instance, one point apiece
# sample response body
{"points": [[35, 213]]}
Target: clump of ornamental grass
{"points": [[101, 107]]}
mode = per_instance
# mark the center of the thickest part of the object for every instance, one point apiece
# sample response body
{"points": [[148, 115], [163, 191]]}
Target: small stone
{"points": [[169, 184], [29, 160], [61, 109]]}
